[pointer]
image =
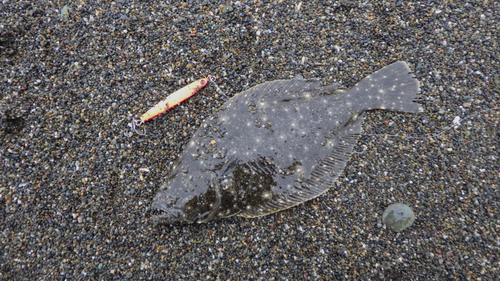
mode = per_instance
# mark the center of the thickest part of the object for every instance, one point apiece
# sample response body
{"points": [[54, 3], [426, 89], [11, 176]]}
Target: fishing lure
{"points": [[172, 100]]}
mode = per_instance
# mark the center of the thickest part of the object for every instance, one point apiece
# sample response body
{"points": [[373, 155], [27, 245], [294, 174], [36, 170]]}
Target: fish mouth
{"points": [[167, 218], [165, 205]]}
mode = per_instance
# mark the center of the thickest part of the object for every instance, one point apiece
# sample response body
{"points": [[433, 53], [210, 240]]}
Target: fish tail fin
{"points": [[392, 87]]}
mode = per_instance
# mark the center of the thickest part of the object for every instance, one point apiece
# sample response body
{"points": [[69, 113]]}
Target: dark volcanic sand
{"points": [[74, 203]]}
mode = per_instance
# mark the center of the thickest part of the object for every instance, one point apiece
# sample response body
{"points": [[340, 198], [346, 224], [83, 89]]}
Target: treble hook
{"points": [[212, 79], [135, 123]]}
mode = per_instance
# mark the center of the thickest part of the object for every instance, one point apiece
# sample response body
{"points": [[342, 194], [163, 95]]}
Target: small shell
{"points": [[398, 217]]}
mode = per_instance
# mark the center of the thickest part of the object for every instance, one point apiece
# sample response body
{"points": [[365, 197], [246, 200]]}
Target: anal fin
{"points": [[322, 177]]}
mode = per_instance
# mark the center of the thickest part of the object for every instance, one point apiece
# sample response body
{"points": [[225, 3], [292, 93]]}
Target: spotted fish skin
{"points": [[276, 145]]}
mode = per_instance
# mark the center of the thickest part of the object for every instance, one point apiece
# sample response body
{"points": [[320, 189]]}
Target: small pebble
{"points": [[227, 9], [65, 12]]}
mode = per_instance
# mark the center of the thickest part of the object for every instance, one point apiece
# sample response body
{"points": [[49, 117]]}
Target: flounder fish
{"points": [[276, 145]]}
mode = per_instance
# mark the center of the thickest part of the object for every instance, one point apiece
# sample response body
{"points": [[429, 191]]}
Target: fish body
{"points": [[276, 145]]}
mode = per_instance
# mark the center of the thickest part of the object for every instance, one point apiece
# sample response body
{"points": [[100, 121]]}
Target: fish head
{"points": [[188, 197]]}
